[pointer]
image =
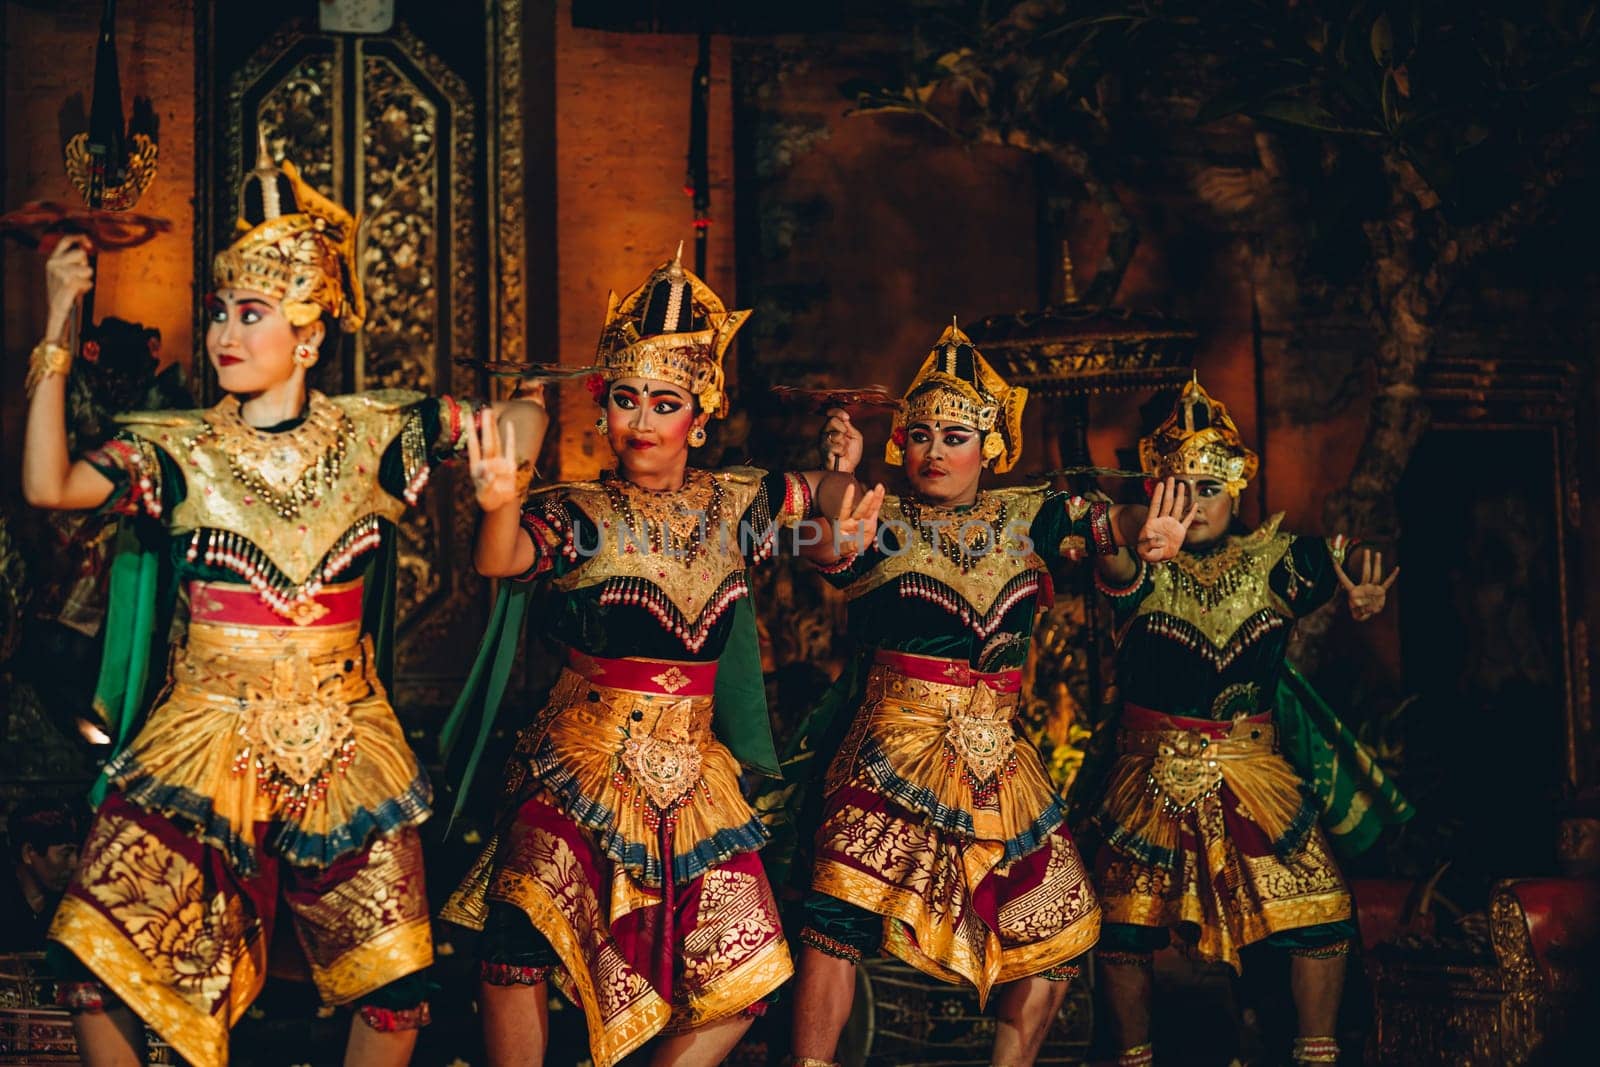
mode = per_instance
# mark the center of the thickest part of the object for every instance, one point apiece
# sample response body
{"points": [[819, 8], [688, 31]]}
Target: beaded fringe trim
{"points": [[234, 552]]}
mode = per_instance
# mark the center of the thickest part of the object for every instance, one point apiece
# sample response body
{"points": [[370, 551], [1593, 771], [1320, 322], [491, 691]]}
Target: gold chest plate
{"points": [[1007, 512], [294, 495], [684, 544]]}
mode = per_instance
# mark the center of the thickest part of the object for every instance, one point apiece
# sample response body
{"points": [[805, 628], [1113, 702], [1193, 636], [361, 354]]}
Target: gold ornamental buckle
{"points": [[1184, 770]]}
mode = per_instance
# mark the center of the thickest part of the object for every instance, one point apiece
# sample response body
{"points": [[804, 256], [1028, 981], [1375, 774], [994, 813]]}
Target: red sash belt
{"points": [[659, 676], [948, 671], [233, 604], [1135, 717]]}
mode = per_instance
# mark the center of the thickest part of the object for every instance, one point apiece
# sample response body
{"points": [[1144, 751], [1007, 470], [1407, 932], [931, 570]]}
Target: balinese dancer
{"points": [[940, 838], [625, 866], [1208, 830], [271, 782]]}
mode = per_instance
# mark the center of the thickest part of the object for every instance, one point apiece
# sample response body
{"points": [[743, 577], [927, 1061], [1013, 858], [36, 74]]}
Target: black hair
{"points": [[40, 823]]}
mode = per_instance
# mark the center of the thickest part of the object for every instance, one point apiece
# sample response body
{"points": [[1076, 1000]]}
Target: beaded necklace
{"points": [[966, 537]]}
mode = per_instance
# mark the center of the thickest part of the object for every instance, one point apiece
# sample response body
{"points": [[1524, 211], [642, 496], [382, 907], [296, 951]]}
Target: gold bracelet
{"points": [[47, 358], [523, 479]]}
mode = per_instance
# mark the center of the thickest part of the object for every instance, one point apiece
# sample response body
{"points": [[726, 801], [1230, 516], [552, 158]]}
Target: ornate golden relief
{"points": [[410, 161], [300, 116]]}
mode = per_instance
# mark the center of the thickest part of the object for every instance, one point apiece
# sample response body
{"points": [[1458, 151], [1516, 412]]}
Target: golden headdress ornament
{"points": [[1199, 440], [294, 245], [956, 384], [672, 328]]}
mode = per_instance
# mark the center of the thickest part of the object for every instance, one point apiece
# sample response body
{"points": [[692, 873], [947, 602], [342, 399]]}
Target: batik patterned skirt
{"points": [[1209, 831], [630, 848], [273, 771], [943, 821]]}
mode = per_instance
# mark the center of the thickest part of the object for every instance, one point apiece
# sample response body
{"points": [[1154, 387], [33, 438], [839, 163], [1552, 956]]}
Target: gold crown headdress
{"points": [[956, 384], [1199, 440], [294, 245], [672, 328]]}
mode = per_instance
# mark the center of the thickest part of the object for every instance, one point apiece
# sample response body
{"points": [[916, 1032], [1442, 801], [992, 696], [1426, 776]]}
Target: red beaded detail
{"points": [[829, 946], [1100, 528], [85, 998], [235, 552], [509, 974], [393, 1020], [641, 593]]}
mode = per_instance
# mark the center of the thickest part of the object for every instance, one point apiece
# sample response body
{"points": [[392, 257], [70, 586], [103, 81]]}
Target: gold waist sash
{"points": [[664, 738]]}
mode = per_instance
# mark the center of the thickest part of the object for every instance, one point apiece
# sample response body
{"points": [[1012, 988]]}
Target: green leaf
{"points": [[1307, 114], [1382, 40]]}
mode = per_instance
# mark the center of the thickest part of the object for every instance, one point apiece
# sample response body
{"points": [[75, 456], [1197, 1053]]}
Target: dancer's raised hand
{"points": [[492, 462], [1368, 596], [1167, 522], [841, 442]]}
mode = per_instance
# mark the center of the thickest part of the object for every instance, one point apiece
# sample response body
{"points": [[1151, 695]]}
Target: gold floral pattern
{"points": [[188, 931], [736, 920], [1233, 899]]}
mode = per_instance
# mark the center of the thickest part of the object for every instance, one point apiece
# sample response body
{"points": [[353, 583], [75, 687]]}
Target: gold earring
{"points": [[697, 437], [602, 426], [305, 356]]}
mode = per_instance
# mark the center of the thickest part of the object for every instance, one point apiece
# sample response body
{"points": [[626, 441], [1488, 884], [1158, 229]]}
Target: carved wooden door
{"points": [[420, 128]]}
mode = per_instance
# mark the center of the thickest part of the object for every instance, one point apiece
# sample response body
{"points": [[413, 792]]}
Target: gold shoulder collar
{"points": [[739, 475], [145, 422], [383, 400]]}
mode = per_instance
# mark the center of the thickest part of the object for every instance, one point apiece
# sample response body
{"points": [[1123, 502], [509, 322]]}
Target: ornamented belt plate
{"points": [[662, 736], [1188, 765], [297, 730], [984, 745], [976, 701]]}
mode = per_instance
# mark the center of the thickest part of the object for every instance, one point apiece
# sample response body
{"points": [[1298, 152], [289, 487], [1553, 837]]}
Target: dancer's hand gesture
{"points": [[857, 521], [841, 443], [493, 464], [1368, 596], [1166, 524]]}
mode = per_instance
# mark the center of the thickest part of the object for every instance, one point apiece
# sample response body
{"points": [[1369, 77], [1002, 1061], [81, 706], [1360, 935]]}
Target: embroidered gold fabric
{"points": [[200, 1037], [1231, 900], [689, 579], [287, 470], [336, 453], [734, 955], [1220, 592], [624, 748], [980, 585], [920, 881], [271, 723], [1186, 765], [915, 726]]}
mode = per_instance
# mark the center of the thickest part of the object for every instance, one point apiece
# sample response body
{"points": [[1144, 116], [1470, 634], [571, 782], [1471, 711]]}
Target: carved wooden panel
{"points": [[420, 128]]}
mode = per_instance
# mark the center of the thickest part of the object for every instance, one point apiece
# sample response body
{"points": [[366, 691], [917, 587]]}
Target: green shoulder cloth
{"points": [[740, 718], [1358, 799], [142, 590]]}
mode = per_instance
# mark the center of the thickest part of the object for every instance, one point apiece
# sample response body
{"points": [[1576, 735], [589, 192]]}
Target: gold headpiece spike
{"points": [[294, 245], [1182, 449], [688, 352], [947, 389]]}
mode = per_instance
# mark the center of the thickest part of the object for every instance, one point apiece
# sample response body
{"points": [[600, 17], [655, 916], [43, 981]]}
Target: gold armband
{"points": [[47, 358]]}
